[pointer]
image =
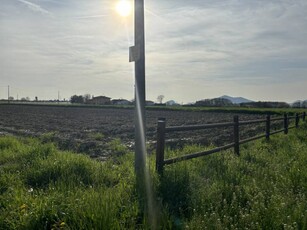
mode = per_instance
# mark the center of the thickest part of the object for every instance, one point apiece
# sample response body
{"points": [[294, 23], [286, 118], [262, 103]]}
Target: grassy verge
{"points": [[43, 188], [265, 188], [272, 111]]}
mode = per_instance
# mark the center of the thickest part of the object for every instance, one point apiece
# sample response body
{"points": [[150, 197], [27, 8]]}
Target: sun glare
{"points": [[123, 8]]}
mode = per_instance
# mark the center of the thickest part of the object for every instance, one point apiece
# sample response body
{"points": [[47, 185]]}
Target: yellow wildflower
{"points": [[24, 206]]}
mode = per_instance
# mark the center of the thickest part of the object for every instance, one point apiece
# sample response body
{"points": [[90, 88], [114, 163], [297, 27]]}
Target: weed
{"points": [[96, 136]]}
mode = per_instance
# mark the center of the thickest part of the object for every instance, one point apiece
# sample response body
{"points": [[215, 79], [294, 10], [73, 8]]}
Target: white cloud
{"points": [[202, 48], [228, 42]]}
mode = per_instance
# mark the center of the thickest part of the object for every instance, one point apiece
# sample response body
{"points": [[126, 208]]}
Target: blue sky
{"points": [[194, 49]]}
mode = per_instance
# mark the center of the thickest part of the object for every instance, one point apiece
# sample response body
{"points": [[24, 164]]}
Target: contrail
{"points": [[35, 7]]}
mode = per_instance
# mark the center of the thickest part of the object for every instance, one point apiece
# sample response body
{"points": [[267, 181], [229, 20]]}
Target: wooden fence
{"points": [[162, 130]]}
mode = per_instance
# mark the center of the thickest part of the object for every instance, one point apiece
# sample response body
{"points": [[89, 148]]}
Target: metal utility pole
{"points": [[137, 54]]}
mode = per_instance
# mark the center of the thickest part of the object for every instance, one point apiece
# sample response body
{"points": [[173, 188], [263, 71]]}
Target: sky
{"points": [[195, 49]]}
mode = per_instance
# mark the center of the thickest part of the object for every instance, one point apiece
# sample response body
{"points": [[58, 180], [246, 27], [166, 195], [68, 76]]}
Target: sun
{"points": [[123, 8]]}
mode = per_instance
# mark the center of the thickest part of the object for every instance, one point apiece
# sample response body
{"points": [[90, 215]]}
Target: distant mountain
{"points": [[236, 100]]}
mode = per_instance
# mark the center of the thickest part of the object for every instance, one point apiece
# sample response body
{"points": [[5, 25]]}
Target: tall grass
{"points": [[265, 188], [43, 188]]}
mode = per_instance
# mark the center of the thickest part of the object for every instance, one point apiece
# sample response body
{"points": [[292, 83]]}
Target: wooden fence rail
{"points": [[162, 130]]}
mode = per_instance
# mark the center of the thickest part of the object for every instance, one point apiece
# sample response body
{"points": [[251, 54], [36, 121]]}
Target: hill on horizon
{"points": [[236, 100]]}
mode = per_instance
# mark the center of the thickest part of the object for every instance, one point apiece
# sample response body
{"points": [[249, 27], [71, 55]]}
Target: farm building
{"points": [[100, 100]]}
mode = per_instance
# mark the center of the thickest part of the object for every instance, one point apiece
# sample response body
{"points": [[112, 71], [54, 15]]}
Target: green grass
{"points": [[265, 188], [43, 188], [273, 111]]}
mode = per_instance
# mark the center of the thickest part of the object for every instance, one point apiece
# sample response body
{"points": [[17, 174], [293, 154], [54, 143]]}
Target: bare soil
{"points": [[90, 130]]}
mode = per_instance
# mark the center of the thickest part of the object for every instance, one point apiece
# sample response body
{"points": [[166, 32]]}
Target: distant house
{"points": [[100, 100], [120, 102]]}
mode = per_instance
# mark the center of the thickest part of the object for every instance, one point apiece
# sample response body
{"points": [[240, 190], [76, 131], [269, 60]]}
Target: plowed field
{"points": [[90, 130]]}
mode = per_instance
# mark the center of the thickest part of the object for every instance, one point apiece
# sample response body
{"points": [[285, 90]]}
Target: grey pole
{"points": [[137, 54], [139, 57]]}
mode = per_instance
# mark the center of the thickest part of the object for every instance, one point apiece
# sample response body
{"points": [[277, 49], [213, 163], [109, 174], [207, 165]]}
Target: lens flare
{"points": [[124, 8]]}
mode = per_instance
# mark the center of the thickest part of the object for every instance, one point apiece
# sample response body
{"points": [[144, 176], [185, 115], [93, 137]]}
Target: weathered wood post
{"points": [[160, 145], [297, 120], [268, 127], [285, 123], [236, 137]]}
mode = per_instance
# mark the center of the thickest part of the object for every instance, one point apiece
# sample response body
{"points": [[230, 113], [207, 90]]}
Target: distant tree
{"points": [[221, 102], [11, 98], [267, 104], [282, 105], [160, 98], [172, 103], [304, 104], [25, 99], [87, 97], [296, 104], [77, 99], [215, 102]]}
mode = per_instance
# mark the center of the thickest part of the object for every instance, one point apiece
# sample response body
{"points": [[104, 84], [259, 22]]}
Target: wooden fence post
{"points": [[297, 120], [304, 116], [285, 123], [236, 137], [160, 145], [268, 127]]}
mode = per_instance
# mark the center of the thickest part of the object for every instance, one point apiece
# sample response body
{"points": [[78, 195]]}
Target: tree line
{"points": [[80, 99], [223, 102]]}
